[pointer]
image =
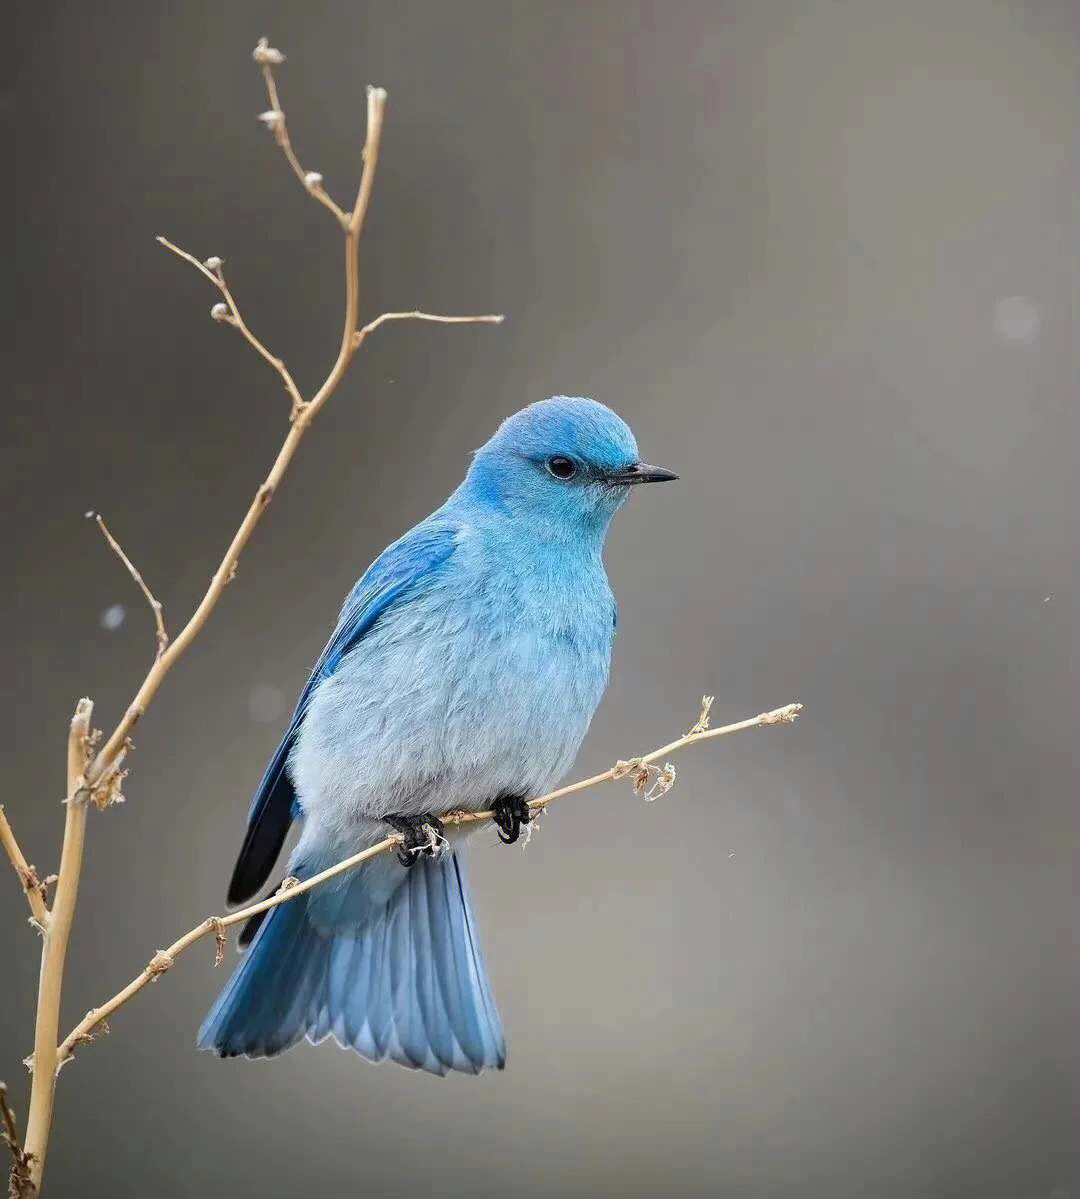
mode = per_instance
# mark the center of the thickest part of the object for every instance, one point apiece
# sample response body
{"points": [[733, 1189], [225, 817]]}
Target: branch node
{"points": [[274, 120], [266, 55], [157, 966], [648, 781], [218, 925], [703, 720]]}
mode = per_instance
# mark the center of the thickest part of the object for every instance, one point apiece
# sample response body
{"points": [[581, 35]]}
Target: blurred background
{"points": [[824, 258]]}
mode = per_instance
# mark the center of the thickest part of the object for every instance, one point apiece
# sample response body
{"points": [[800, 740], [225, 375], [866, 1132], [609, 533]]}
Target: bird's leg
{"points": [[423, 835], [510, 812]]}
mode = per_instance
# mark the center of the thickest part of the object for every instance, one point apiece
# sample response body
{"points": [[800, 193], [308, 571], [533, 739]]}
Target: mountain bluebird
{"points": [[463, 672]]}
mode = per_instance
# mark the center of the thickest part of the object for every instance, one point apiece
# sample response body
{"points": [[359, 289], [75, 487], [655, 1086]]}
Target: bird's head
{"points": [[564, 464]]}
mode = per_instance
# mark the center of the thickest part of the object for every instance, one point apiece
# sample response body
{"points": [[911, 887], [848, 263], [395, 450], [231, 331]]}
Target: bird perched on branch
{"points": [[463, 673]]}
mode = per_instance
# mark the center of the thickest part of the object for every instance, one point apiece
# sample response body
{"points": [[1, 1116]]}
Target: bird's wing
{"points": [[388, 581]]}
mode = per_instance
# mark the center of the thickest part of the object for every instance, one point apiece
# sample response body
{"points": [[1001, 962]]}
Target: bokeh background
{"points": [[825, 258]]}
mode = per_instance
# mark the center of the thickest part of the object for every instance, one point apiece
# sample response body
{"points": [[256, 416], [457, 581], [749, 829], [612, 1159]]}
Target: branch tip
{"points": [[266, 55], [155, 607]]}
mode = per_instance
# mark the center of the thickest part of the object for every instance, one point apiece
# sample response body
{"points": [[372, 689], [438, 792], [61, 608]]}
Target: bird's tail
{"points": [[404, 979]]}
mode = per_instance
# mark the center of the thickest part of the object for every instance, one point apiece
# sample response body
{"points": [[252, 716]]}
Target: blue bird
{"points": [[463, 673]]}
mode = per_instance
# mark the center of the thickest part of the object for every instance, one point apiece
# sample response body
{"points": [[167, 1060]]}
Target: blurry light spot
{"points": [[265, 703], [1016, 319], [112, 618]]}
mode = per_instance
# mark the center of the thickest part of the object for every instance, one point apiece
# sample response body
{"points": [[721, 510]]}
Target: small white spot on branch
{"points": [[267, 55], [274, 120]]}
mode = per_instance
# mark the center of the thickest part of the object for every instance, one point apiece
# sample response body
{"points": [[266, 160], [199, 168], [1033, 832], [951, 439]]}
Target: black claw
{"points": [[422, 835], [510, 812]]}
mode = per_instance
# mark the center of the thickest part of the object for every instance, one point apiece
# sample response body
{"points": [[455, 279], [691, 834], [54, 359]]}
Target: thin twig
{"points": [[490, 318], [32, 885], [266, 56], [20, 1185], [54, 949], [230, 314], [306, 412], [214, 925], [155, 606]]}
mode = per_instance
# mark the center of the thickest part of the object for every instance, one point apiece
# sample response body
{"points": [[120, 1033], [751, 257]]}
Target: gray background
{"points": [[824, 258]]}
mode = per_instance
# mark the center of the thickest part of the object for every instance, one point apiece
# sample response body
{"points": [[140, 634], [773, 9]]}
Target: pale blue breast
{"points": [[482, 684]]}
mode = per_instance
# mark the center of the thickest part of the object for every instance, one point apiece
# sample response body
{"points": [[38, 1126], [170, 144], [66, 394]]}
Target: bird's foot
{"points": [[510, 812], [422, 835]]}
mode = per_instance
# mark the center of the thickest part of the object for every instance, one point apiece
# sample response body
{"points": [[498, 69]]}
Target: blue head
{"points": [[564, 465]]}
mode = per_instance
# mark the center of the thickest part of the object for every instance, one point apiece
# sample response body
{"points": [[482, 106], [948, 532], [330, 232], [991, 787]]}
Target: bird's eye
{"points": [[561, 468]]}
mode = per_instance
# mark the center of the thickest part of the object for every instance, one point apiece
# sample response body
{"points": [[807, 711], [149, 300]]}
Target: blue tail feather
{"points": [[406, 981]]}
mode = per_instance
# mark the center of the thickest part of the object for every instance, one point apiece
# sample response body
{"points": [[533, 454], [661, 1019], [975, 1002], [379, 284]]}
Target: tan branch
{"points": [[229, 314], [155, 606], [98, 776], [268, 57], [291, 889], [32, 885], [21, 1186], [490, 318], [305, 412], [54, 948]]}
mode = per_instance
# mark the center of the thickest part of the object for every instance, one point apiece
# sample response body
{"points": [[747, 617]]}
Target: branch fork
{"points": [[95, 774]]}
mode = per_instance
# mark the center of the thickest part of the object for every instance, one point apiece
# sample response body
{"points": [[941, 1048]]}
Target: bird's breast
{"points": [[460, 696]]}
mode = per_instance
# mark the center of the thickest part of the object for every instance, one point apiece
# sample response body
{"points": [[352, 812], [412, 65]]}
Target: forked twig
{"points": [[98, 776]]}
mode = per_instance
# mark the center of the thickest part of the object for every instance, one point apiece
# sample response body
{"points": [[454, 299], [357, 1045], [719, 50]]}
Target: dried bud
{"points": [[312, 180], [220, 312], [265, 54], [273, 119], [213, 263]]}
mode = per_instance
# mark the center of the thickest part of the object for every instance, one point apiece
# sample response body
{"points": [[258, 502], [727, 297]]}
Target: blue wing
{"points": [[388, 581]]}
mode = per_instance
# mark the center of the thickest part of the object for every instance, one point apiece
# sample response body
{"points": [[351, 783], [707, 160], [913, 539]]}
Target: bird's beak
{"points": [[639, 472]]}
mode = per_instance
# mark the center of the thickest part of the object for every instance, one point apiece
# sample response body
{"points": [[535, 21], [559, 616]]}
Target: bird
{"points": [[462, 674]]}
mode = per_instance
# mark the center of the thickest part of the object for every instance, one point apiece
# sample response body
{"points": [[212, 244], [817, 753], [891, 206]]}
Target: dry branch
{"points": [[32, 885], [155, 607], [19, 1182], [228, 313], [491, 318], [292, 889], [97, 777], [274, 119], [57, 933]]}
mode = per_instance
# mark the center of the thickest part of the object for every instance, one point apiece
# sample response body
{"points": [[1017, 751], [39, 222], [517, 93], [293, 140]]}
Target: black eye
{"points": [[561, 468]]}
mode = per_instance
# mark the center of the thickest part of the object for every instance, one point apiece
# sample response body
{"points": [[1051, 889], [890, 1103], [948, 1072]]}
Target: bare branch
{"points": [[491, 318], [32, 885], [98, 776], [155, 606], [267, 58], [291, 888], [229, 314], [20, 1185], [54, 949], [304, 413]]}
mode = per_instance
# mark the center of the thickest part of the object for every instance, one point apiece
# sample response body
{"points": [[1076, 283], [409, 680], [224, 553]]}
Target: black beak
{"points": [[639, 472]]}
